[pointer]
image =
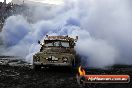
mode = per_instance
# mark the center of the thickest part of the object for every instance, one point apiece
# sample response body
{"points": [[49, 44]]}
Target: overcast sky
{"points": [[42, 1]]}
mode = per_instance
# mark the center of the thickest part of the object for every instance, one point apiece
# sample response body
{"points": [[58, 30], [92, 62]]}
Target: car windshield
{"points": [[49, 44], [57, 43], [65, 44]]}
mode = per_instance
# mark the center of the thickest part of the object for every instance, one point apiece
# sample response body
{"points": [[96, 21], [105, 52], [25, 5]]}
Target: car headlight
{"points": [[36, 58], [65, 59]]}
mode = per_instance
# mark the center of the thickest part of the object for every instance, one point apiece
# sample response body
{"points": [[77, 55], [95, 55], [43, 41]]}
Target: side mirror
{"points": [[39, 42], [74, 44], [76, 39]]}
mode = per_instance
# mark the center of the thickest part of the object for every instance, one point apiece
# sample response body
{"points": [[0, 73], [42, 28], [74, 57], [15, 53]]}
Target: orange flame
{"points": [[81, 71]]}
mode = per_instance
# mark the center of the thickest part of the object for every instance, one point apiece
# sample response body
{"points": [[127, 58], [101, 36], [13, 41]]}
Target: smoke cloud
{"points": [[104, 30]]}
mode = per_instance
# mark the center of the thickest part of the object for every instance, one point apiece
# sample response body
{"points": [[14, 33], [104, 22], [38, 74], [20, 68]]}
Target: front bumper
{"points": [[52, 64]]}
